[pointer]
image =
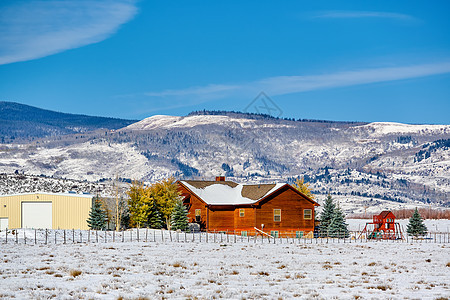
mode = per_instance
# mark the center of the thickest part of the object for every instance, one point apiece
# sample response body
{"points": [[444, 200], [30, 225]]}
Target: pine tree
{"points": [[179, 219], [155, 219], [338, 227], [97, 216], [416, 226], [327, 215]]}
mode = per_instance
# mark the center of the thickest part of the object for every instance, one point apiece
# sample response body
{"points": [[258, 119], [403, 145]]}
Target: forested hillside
{"points": [[23, 122]]}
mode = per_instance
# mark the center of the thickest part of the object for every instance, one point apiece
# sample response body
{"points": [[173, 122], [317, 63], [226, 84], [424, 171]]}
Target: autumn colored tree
{"points": [[139, 204], [303, 187], [166, 195]]}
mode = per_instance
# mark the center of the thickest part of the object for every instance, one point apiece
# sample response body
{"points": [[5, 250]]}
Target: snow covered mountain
{"points": [[372, 163]]}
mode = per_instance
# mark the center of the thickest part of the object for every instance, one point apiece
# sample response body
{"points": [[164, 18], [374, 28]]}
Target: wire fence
{"points": [[60, 236]]}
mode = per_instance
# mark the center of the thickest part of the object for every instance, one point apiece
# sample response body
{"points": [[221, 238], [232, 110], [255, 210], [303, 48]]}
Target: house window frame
{"points": [[241, 212], [244, 233], [299, 234], [310, 214], [198, 214], [275, 233], [277, 213]]}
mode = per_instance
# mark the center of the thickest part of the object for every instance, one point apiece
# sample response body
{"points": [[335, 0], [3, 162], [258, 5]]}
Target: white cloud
{"points": [[282, 85], [362, 14], [35, 29]]}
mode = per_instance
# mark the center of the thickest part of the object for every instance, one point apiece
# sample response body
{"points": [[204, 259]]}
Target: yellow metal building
{"points": [[45, 210]]}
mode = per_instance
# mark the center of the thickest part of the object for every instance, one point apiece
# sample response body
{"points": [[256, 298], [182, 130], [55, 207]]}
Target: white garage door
{"points": [[3, 223], [37, 215]]}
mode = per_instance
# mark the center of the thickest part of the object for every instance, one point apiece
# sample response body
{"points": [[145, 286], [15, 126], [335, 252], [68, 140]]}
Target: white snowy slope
{"points": [[382, 128]]}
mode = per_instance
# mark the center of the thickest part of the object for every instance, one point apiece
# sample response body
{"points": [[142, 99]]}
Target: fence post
{"points": [[64, 236], [17, 236], [81, 237], [138, 234], [35, 237], [123, 236], [6, 238], [114, 236], [162, 235], [25, 236], [46, 235], [146, 234], [170, 234], [55, 237], [96, 235], [73, 235]]}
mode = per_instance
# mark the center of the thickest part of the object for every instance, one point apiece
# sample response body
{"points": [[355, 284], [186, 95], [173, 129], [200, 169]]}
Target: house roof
{"points": [[230, 193]]}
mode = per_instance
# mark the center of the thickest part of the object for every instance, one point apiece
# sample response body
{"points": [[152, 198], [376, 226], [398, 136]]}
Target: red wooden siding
{"points": [[247, 222], [292, 205]]}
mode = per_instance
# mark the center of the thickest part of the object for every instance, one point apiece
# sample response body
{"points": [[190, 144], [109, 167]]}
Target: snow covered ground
{"points": [[241, 270]]}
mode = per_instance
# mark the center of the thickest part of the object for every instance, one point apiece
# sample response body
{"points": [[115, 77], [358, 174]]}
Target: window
{"points": [[244, 233], [274, 233], [241, 212], [277, 215], [299, 234], [198, 215], [307, 214]]}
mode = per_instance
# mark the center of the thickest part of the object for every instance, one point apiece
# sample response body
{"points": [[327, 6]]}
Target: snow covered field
{"points": [[242, 270]]}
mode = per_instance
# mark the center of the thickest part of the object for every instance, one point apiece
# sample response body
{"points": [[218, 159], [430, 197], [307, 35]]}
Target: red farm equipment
{"points": [[383, 227]]}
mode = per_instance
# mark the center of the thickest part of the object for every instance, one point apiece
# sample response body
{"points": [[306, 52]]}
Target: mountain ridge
{"points": [[21, 121]]}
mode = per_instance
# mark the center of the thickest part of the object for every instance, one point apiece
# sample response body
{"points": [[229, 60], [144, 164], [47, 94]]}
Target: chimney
{"points": [[220, 178]]}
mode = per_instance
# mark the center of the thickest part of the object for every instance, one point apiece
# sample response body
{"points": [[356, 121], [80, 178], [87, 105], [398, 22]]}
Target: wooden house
{"points": [[227, 206]]}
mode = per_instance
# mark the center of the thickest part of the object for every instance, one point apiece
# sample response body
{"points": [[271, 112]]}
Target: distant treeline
{"points": [[256, 116]]}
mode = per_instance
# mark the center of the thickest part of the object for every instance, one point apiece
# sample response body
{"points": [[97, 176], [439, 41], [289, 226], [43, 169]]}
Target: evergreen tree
{"points": [[326, 215], [416, 226], [179, 219], [97, 216], [155, 219], [338, 227]]}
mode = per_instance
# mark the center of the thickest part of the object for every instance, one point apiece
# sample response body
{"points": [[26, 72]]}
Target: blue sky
{"points": [[335, 60]]}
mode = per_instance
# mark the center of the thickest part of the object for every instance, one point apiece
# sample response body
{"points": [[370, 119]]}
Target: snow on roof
{"points": [[230, 193]]}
